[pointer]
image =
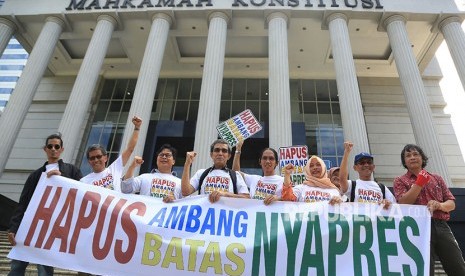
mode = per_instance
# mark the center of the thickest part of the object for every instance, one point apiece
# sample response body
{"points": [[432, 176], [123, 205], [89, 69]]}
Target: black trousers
{"points": [[444, 245]]}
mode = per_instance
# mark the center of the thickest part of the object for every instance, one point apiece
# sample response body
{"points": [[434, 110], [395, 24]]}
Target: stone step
{"points": [[31, 270], [5, 268], [5, 261], [3, 255]]}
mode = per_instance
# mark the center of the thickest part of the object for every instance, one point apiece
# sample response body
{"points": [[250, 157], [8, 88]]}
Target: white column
{"points": [[416, 99], [7, 28], [210, 91], [146, 86], [280, 128], [20, 101], [455, 38], [353, 120], [84, 86]]}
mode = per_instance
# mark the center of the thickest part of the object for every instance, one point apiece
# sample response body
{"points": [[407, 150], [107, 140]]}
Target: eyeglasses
{"points": [[165, 155], [92, 158], [223, 150], [271, 158], [363, 162], [55, 146]]}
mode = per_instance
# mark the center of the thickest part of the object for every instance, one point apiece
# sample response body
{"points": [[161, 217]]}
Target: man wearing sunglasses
{"points": [[217, 180], [97, 157], [363, 189], [54, 166]]}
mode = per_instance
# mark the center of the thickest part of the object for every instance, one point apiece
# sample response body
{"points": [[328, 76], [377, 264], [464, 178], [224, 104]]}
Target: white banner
{"points": [[80, 227]]}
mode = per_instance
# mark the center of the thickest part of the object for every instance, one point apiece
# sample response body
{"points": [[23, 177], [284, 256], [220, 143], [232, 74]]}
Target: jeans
{"points": [[444, 245], [18, 268]]}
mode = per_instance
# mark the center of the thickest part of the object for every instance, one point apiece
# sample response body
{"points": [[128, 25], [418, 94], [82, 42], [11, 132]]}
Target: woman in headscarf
{"points": [[316, 188]]}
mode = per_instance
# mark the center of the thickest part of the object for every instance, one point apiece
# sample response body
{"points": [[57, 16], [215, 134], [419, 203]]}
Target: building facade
{"points": [[314, 73], [11, 66]]}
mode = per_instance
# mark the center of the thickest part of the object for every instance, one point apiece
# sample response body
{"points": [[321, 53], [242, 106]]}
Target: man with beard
{"points": [[54, 166]]}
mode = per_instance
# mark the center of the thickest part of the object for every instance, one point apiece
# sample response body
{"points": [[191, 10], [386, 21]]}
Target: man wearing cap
{"points": [[363, 189]]}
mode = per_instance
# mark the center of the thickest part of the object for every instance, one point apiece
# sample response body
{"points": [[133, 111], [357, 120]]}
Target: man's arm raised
{"points": [[136, 163], [237, 158], [133, 141], [186, 186], [344, 171]]}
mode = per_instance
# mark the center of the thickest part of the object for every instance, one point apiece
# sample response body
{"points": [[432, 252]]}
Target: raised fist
{"points": [[422, 178]]}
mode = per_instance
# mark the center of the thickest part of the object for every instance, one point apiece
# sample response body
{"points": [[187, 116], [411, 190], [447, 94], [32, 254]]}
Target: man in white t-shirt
{"points": [[160, 183], [218, 179], [365, 190], [97, 157]]}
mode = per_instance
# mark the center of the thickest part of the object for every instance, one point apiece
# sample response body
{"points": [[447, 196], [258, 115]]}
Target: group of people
{"points": [[416, 186], [107, 177]]}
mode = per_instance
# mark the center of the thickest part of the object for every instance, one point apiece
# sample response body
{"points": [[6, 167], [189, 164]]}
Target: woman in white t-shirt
{"points": [[267, 187], [316, 188]]}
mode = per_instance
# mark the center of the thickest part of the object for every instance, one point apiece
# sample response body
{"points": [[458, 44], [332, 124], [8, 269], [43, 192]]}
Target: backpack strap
{"points": [[354, 183], [352, 191], [202, 177], [232, 175], [383, 189]]}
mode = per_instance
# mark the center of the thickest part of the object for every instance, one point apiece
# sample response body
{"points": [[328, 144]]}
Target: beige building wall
{"points": [[43, 119], [389, 127]]}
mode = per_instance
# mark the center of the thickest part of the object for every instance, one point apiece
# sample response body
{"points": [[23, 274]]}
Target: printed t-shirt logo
{"points": [[106, 182], [369, 196], [216, 183], [162, 187], [316, 196], [264, 189]]}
